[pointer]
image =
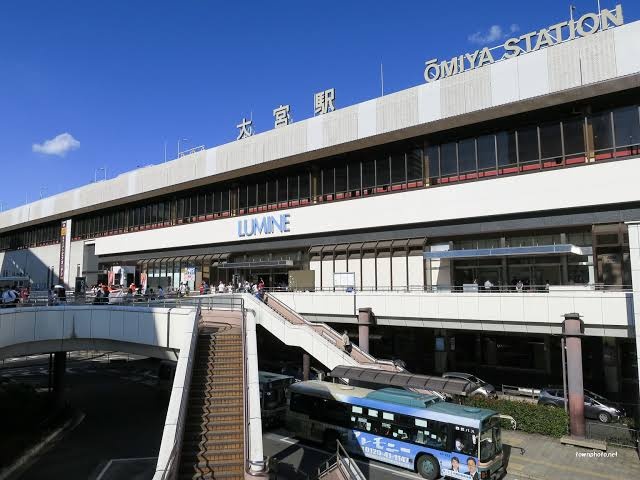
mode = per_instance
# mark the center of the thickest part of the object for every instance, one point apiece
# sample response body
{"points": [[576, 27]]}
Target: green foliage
{"points": [[530, 417]]}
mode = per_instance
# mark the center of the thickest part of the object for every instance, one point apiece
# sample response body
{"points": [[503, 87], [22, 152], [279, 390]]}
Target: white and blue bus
{"points": [[391, 425]]}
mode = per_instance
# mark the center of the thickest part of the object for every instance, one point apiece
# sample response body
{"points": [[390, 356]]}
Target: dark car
{"points": [[480, 387], [595, 406]]}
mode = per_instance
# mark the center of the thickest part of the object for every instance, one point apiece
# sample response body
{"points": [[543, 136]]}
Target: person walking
{"points": [[221, 287], [346, 343]]}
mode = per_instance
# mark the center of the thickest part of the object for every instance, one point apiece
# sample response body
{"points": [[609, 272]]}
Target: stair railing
{"points": [[330, 332]]}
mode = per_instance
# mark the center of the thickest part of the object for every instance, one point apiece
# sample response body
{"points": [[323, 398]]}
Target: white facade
{"points": [[607, 55]]}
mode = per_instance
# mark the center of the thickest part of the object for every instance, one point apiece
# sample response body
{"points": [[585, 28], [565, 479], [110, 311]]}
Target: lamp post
{"points": [[95, 173], [181, 140]]}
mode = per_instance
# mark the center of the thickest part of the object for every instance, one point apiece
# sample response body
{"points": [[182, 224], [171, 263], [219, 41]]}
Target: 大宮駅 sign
{"points": [[587, 24], [267, 224]]}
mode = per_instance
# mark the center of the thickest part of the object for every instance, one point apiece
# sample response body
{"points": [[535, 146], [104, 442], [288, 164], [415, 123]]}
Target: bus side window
{"points": [[432, 434]]}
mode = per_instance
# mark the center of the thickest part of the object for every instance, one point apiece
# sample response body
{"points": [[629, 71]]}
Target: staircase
{"points": [[213, 441]]}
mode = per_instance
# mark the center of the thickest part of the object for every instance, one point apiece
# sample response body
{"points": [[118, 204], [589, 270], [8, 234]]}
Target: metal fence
{"points": [[618, 435]]}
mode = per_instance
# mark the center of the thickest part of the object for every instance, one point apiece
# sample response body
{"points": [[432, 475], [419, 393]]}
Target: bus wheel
{"points": [[428, 467], [329, 440]]}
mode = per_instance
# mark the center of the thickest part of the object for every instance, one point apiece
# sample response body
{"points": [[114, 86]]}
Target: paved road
{"points": [[124, 418]]}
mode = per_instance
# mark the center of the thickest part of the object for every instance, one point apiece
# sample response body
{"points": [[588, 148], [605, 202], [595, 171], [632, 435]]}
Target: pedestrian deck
{"points": [[546, 458]]}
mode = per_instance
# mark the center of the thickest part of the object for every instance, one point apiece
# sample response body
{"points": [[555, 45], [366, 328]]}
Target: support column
{"points": [[634, 258], [365, 320], [547, 355], [59, 367], [306, 366], [572, 329], [478, 349]]}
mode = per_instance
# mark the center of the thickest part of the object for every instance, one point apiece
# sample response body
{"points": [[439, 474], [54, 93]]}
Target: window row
{"points": [[599, 136], [47, 234], [338, 179]]}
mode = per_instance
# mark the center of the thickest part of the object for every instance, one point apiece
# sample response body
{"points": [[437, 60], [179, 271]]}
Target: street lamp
{"points": [[42, 190], [181, 140], [95, 173]]}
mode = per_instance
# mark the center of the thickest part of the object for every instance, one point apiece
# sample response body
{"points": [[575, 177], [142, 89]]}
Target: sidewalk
{"points": [[546, 458]]}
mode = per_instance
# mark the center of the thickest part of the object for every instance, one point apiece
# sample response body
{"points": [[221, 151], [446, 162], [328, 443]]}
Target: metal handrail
{"points": [[336, 460], [504, 288], [336, 336], [174, 456]]}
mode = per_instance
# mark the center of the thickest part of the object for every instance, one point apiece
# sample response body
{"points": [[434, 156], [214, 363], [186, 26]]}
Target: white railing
{"points": [[171, 444]]}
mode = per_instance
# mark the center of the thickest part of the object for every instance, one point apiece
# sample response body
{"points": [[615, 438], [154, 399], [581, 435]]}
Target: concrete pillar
{"points": [[365, 320], [634, 258], [306, 365], [572, 329], [547, 355], [59, 367], [610, 366], [478, 349]]}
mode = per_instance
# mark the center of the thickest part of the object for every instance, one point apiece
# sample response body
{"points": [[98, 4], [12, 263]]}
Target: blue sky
{"points": [[122, 77]]}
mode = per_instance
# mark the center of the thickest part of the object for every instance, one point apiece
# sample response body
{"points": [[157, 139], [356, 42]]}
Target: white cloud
{"points": [[59, 145], [494, 33]]}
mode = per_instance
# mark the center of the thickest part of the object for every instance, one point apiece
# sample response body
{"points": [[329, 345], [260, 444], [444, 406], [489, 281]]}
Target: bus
{"points": [[273, 397], [406, 429]]}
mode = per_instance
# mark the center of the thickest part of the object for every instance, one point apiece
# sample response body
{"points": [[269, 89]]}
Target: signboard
{"points": [[344, 280], [189, 274], [586, 25], [266, 225], [63, 249]]}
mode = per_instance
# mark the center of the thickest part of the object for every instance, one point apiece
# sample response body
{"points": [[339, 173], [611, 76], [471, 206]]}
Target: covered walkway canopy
{"points": [[404, 380]]}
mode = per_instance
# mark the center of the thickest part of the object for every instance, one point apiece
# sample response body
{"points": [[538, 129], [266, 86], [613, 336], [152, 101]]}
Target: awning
{"points": [[369, 245], [257, 265], [512, 251], [416, 242], [316, 249], [449, 386], [341, 248], [384, 244]]}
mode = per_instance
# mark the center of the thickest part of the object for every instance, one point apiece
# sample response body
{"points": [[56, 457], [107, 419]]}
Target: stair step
{"points": [[222, 457]]}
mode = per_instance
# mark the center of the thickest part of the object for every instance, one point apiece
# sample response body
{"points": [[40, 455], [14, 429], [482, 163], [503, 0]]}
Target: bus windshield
{"points": [[490, 439]]}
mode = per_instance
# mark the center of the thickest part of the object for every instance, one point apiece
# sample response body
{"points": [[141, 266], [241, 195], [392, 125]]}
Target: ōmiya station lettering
{"points": [[586, 25], [267, 224]]}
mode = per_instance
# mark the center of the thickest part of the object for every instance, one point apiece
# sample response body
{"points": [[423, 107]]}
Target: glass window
{"points": [[573, 132], [368, 174], [272, 191], [282, 189], [242, 197], [202, 202], [354, 175], [528, 144], [382, 171], [448, 159], [467, 155], [224, 200], [465, 440], [433, 161], [398, 173], [293, 187], [305, 186], [262, 193], [627, 126], [602, 134], [486, 152], [252, 191], [341, 178], [430, 433], [506, 148], [414, 164], [550, 140], [327, 181]]}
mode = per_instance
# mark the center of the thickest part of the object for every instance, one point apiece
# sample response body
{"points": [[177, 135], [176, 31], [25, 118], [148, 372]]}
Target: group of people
{"points": [[517, 285], [241, 287], [11, 296]]}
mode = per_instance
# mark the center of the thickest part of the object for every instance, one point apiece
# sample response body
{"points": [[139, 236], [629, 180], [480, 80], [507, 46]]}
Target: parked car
{"points": [[482, 388], [595, 406]]}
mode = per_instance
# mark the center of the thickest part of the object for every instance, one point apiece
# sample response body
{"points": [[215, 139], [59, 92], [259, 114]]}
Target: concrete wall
{"points": [[604, 313], [31, 330], [584, 61], [453, 202]]}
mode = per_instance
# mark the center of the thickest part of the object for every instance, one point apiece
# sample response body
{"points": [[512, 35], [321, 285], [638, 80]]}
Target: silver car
{"points": [[482, 388]]}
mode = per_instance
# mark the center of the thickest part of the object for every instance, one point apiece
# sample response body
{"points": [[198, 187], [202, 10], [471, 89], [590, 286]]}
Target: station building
{"points": [[520, 175]]}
